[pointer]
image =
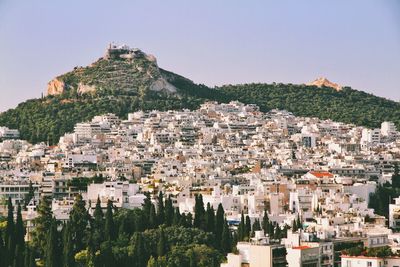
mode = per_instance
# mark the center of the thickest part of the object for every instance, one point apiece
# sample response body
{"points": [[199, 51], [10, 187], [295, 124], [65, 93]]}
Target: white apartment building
{"points": [[394, 214], [122, 194]]}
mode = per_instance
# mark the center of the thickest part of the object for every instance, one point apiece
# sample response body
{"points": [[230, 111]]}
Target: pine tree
{"points": [[52, 253], [9, 234], [219, 223], [68, 249], [210, 218], [110, 231], [19, 230], [160, 208], [161, 245], [226, 240]]}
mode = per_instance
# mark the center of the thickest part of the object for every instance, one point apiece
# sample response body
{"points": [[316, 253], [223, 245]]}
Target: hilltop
{"points": [[126, 80]]}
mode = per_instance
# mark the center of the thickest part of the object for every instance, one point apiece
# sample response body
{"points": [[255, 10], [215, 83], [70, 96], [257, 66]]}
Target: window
{"points": [[369, 263]]}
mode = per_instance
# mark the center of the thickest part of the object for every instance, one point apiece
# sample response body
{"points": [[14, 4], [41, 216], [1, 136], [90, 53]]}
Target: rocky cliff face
{"points": [[324, 82], [122, 69], [55, 87]]}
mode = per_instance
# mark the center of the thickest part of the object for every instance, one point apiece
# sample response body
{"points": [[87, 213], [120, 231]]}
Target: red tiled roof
{"points": [[321, 174], [301, 247]]}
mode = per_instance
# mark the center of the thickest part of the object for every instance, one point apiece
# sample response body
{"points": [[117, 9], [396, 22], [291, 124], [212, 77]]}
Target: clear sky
{"points": [[355, 43]]}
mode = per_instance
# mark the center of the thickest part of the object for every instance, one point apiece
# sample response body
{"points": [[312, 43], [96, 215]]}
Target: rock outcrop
{"points": [[55, 87], [324, 82]]}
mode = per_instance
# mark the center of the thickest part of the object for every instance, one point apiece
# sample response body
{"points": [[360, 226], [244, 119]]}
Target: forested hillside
{"points": [[112, 88]]}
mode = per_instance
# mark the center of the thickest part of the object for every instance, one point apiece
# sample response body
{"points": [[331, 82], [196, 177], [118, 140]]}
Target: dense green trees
{"points": [[120, 237], [384, 194], [13, 250]]}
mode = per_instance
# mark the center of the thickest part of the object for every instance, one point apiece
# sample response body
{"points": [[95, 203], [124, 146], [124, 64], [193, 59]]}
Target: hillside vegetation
{"points": [[124, 86]]}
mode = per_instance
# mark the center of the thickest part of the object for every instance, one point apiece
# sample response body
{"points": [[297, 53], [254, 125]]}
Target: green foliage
{"points": [[380, 200]]}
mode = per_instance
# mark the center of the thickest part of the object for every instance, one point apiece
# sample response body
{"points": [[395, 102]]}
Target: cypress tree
{"points": [[294, 226], [29, 257], [79, 219], [199, 212], [42, 225], [219, 223], [226, 240], [152, 217], [3, 251], [189, 220], [210, 219], [110, 231], [192, 259], [182, 221], [147, 203], [52, 254], [139, 252], [106, 254], [241, 228], [26, 256], [161, 245], [247, 227], [169, 211], [265, 222], [98, 224], [160, 208], [256, 227], [10, 234], [30, 195], [278, 232], [177, 217], [19, 230], [299, 224], [19, 256], [32, 261], [68, 249]]}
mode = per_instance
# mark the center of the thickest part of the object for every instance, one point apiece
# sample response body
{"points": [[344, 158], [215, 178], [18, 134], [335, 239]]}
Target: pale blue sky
{"points": [[355, 43]]}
